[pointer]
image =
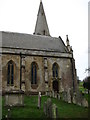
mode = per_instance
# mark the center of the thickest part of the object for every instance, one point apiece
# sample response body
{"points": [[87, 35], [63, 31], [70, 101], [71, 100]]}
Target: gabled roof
{"points": [[41, 27], [33, 42]]}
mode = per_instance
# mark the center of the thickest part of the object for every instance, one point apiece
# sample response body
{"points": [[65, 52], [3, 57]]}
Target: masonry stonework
{"points": [[37, 63], [5, 59]]}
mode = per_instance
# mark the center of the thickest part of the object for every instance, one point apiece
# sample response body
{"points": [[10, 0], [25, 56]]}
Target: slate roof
{"points": [[36, 42]]}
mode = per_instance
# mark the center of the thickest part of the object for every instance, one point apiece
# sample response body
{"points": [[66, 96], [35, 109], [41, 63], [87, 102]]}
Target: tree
{"points": [[87, 70], [86, 83]]}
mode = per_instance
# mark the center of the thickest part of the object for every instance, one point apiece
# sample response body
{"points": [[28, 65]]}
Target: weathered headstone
{"points": [[68, 96], [53, 94], [84, 102], [46, 93], [54, 111], [64, 96], [45, 108], [74, 98], [49, 105], [9, 113], [79, 99], [39, 100], [58, 96], [50, 110]]}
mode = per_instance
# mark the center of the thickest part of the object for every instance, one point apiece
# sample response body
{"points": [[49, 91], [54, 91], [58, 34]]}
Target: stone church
{"points": [[37, 62]]}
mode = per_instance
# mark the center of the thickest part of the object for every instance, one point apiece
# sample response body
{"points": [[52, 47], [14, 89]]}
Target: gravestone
{"points": [[64, 96], [68, 96], [58, 96], [74, 98], [49, 105], [9, 113], [39, 100], [54, 111], [14, 98], [84, 102], [45, 108], [53, 94], [79, 99], [50, 110]]}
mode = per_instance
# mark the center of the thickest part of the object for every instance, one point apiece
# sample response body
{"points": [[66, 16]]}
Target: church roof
{"points": [[41, 27], [36, 42]]}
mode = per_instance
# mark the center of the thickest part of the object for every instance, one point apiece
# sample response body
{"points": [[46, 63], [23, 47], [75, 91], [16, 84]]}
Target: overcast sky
{"points": [[64, 17]]}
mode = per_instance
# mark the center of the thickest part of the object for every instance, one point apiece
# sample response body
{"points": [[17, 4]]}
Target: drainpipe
{"points": [[73, 73], [20, 69]]}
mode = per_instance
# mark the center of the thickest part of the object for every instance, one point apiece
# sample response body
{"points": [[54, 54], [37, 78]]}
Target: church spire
{"points": [[41, 27]]}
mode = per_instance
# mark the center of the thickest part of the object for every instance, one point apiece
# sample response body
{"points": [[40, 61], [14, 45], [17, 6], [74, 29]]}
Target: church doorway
{"points": [[55, 86]]}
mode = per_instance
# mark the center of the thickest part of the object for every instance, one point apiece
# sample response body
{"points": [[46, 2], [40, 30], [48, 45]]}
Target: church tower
{"points": [[41, 27]]}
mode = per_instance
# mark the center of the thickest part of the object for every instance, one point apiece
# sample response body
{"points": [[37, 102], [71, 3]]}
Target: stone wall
{"points": [[5, 59], [40, 74], [44, 72], [65, 73]]}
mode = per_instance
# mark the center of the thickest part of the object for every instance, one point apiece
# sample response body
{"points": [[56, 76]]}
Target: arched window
{"points": [[10, 73], [55, 70], [33, 73]]}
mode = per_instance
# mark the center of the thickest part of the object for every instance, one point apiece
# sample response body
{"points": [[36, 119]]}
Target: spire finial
{"points": [[67, 40], [40, 1]]}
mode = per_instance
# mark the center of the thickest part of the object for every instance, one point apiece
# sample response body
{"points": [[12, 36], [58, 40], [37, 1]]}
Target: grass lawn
{"points": [[30, 110]]}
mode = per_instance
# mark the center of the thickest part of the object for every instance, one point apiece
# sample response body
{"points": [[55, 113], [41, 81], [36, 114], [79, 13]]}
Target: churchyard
{"points": [[30, 110]]}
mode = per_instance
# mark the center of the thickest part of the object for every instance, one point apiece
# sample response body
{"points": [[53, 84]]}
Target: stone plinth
{"points": [[14, 98]]}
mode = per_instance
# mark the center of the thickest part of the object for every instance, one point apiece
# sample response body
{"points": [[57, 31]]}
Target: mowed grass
{"points": [[30, 110]]}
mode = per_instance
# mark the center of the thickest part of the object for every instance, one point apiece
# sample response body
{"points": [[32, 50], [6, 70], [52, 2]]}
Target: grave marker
{"points": [[39, 100]]}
